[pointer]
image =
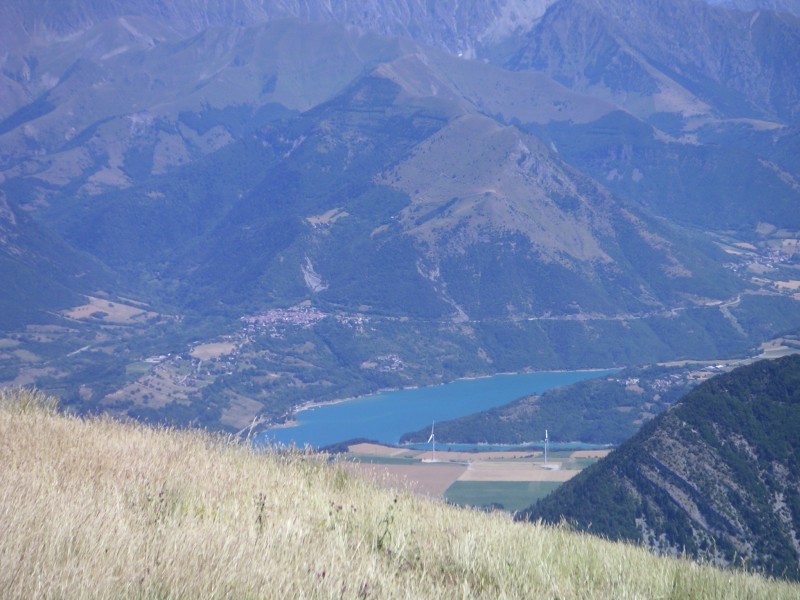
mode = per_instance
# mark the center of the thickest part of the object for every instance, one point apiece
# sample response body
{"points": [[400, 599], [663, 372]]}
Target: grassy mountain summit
{"points": [[715, 476], [96, 508]]}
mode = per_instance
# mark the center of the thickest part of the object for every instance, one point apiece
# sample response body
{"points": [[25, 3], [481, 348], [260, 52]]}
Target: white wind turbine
{"points": [[546, 441], [432, 441]]}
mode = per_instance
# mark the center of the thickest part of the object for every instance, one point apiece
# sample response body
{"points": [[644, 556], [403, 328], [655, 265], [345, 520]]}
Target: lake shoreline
{"points": [[386, 415], [312, 404]]}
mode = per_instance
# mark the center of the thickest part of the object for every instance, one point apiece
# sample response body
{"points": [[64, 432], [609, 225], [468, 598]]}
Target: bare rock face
{"points": [[452, 24], [787, 6], [684, 57]]}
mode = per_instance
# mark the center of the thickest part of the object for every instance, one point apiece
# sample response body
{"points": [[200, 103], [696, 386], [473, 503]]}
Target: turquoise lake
{"points": [[384, 417]]}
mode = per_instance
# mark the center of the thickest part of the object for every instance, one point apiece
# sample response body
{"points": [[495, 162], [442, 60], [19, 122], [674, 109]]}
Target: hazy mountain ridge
{"points": [[452, 24], [680, 57], [48, 88], [484, 218], [478, 181], [716, 475], [136, 93], [790, 6], [732, 181], [617, 41]]}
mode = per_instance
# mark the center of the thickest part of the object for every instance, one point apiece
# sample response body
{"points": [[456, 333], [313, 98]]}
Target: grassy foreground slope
{"points": [[96, 508]]}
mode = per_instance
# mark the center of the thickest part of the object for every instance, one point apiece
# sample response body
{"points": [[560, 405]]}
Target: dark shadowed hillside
{"points": [[716, 476], [39, 273]]}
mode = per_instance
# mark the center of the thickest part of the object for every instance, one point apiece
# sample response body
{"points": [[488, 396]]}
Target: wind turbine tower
{"points": [[546, 440], [432, 441]]}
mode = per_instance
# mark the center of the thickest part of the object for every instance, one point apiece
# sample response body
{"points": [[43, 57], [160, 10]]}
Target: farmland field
{"points": [[425, 479], [508, 495], [515, 471], [109, 311], [511, 480], [213, 350]]}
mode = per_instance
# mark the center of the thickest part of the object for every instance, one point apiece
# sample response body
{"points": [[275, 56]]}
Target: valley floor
{"points": [[479, 479]]}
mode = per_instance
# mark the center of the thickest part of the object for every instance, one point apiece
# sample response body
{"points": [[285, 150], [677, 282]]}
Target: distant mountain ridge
{"points": [[679, 56], [505, 198], [790, 6], [717, 51], [501, 182], [715, 476], [230, 159], [450, 24]]}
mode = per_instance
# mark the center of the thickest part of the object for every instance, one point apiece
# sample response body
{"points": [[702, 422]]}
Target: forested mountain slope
{"points": [[716, 476]]}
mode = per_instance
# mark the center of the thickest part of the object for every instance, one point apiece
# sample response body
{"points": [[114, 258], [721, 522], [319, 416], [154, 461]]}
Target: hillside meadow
{"points": [[95, 508]]}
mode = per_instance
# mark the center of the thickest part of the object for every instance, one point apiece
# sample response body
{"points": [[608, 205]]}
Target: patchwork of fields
{"points": [[505, 480]]}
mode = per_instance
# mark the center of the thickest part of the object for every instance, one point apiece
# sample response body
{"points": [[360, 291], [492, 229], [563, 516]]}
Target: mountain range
{"points": [[451, 190]]}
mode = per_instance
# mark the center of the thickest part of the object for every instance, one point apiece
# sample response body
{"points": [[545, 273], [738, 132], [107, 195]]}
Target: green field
{"points": [[138, 368], [512, 495]]}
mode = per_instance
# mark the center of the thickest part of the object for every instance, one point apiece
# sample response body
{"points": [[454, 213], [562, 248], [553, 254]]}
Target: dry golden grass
{"points": [[99, 509], [515, 471], [426, 479]]}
